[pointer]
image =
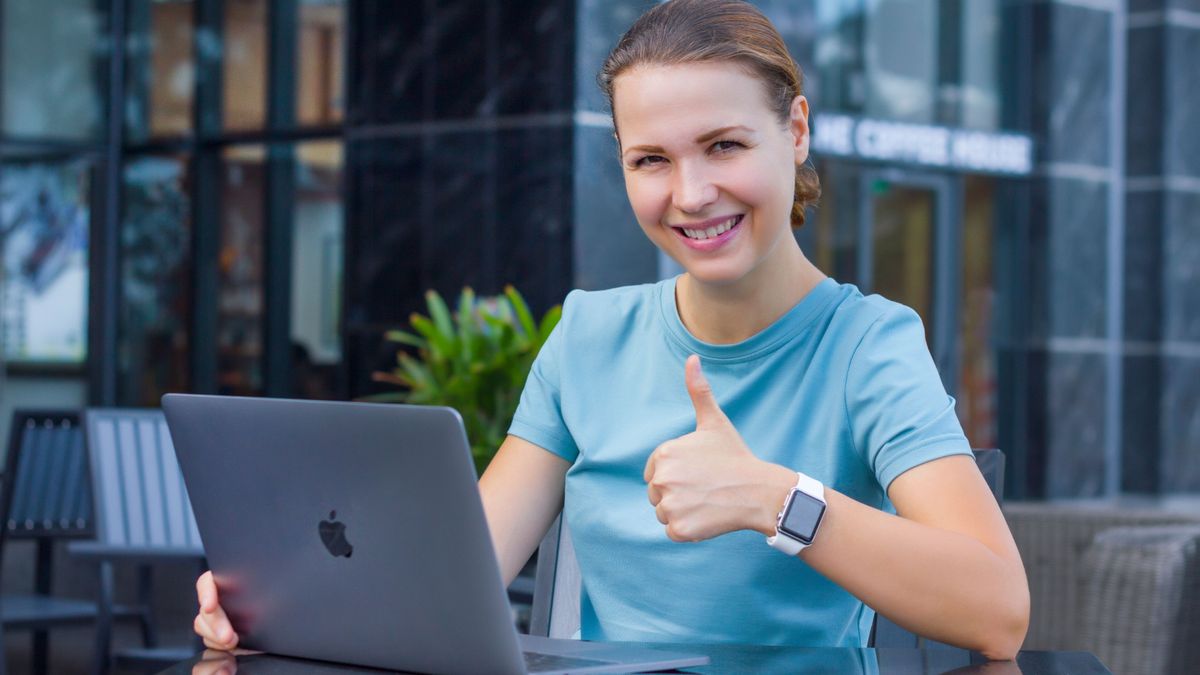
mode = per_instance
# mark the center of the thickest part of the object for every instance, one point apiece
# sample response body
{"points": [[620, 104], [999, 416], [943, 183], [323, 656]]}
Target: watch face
{"points": [[802, 516]]}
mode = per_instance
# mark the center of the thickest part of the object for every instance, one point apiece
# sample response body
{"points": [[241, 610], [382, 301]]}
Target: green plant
{"points": [[474, 360]]}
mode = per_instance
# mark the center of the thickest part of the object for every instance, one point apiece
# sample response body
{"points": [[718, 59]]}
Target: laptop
{"points": [[354, 532]]}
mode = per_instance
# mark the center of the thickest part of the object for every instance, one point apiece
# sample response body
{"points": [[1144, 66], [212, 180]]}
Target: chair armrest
{"points": [[99, 552]]}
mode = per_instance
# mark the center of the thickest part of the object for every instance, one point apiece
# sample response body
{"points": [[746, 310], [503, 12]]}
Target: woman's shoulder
{"points": [[856, 313], [607, 305]]}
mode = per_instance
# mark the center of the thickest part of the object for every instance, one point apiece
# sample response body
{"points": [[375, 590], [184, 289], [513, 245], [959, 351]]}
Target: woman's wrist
{"points": [[776, 483]]}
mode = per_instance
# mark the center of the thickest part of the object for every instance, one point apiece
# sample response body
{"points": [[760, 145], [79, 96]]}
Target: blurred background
{"points": [[243, 196]]}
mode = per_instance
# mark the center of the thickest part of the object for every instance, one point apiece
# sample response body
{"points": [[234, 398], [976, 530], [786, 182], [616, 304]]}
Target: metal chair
{"points": [[47, 497], [556, 595], [143, 517]]}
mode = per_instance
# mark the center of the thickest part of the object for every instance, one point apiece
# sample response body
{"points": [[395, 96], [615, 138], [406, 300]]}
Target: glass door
{"points": [[909, 252]]}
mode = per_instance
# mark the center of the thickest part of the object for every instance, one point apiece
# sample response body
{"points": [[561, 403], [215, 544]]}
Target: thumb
{"points": [[708, 413]]}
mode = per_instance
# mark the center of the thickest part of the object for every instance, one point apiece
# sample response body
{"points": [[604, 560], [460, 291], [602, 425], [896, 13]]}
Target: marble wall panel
{"points": [[533, 238], [1141, 422], [535, 56], [1143, 265], [1068, 247], [1181, 424], [1075, 425], [1181, 269], [1070, 83], [1144, 103], [463, 35], [389, 60], [609, 247], [461, 231], [1182, 101], [599, 24], [384, 231]]}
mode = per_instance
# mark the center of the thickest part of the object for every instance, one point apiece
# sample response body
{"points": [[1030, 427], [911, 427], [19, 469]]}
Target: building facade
{"points": [[248, 198]]}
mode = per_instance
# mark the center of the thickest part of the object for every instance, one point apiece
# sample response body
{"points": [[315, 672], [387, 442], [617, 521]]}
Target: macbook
{"points": [[354, 533]]}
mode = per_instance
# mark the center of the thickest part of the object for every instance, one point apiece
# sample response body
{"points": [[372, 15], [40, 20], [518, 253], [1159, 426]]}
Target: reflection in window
{"points": [[52, 86], [156, 264], [44, 239], [161, 72], [240, 272], [320, 97], [245, 64], [317, 271]]}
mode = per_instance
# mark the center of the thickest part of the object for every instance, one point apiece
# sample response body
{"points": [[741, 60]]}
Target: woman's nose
{"points": [[692, 190]]}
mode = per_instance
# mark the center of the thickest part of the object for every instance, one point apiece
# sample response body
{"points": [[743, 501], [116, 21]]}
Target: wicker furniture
{"points": [[1114, 578]]}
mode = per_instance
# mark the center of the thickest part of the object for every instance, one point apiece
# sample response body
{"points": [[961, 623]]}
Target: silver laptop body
{"points": [[354, 532]]}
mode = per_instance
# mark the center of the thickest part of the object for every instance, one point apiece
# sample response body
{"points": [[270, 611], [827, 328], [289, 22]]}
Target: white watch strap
{"points": [[782, 542]]}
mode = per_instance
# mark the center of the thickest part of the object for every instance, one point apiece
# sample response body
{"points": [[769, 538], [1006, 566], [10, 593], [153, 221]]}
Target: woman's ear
{"points": [[798, 125]]}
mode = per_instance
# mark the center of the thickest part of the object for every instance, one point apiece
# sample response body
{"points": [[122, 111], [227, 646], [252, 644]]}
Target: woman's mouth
{"points": [[711, 235]]}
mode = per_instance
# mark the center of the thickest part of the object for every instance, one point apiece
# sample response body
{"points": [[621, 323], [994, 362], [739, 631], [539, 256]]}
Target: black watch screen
{"points": [[802, 516]]}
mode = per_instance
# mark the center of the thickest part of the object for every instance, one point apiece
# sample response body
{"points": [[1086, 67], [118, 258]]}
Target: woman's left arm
{"points": [[945, 567]]}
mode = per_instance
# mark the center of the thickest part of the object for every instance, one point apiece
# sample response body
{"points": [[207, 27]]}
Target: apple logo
{"points": [[333, 535]]}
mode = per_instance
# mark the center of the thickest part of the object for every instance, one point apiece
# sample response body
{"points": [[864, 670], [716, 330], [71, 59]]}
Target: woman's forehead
{"points": [[686, 99]]}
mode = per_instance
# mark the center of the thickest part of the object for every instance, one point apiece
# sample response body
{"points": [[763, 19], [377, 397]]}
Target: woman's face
{"points": [[709, 168]]}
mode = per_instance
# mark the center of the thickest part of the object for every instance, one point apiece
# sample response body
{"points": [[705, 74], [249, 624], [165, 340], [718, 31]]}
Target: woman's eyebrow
{"points": [[708, 136], [702, 138]]}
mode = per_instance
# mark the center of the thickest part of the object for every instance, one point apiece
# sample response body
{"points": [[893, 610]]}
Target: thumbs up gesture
{"points": [[706, 483]]}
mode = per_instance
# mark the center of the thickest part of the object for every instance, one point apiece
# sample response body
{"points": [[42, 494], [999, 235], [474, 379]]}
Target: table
{"points": [[736, 659]]}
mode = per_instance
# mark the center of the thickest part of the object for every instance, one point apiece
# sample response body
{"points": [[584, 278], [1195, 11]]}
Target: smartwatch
{"points": [[802, 511]]}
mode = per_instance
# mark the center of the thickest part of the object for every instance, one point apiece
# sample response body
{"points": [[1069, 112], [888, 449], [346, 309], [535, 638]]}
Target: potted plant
{"points": [[474, 360]]}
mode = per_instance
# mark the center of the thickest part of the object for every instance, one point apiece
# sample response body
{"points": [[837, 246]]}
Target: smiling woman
{"points": [[817, 421]]}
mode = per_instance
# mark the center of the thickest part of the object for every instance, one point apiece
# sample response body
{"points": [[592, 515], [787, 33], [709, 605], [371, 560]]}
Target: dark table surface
{"points": [[732, 659]]}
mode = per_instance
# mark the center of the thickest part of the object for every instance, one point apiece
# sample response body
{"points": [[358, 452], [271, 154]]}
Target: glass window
{"points": [[161, 72], [156, 271], [240, 272], [52, 75], [320, 64], [911, 60], [977, 383], [317, 271], [245, 64], [44, 220]]}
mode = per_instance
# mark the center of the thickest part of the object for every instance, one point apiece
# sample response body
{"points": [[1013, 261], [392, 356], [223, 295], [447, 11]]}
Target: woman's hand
{"points": [[211, 622], [708, 482]]}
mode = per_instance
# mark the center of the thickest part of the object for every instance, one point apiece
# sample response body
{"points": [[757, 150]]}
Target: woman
{"points": [[672, 474]]}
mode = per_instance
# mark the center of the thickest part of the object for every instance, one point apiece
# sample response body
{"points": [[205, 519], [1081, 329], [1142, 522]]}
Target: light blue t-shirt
{"points": [[841, 387]]}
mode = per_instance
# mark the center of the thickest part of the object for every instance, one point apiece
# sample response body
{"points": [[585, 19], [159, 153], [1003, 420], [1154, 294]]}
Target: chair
{"points": [[47, 497], [143, 517], [556, 595]]}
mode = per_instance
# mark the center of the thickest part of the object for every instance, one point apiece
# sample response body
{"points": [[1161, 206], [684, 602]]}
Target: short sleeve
{"points": [[539, 417], [899, 413]]}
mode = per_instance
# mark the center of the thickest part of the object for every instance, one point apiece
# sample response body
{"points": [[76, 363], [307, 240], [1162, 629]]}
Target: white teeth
{"points": [[712, 231]]}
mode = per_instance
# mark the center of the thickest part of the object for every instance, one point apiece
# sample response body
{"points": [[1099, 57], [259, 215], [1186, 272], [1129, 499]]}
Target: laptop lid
{"points": [[347, 532]]}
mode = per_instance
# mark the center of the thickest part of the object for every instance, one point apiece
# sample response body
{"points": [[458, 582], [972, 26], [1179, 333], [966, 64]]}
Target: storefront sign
{"points": [[943, 147]]}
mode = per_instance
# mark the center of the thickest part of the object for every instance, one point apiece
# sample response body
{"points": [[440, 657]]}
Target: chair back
{"points": [[141, 501], [46, 493], [558, 585], [46, 488]]}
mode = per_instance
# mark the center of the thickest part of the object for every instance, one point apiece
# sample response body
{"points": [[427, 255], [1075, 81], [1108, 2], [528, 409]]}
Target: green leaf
{"points": [[522, 310]]}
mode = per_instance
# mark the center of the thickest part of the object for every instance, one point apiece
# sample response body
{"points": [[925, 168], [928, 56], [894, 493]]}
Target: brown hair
{"points": [[691, 31]]}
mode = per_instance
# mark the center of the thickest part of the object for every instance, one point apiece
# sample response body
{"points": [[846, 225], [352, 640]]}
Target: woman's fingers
{"points": [[211, 622]]}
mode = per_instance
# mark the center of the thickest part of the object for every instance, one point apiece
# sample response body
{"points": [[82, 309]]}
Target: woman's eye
{"points": [[649, 159], [722, 146]]}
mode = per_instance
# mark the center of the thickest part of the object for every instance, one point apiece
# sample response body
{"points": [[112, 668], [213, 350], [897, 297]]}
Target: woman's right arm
{"points": [[522, 492]]}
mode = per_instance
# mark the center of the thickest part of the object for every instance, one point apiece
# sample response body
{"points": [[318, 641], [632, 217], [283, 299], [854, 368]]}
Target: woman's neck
{"points": [[729, 313]]}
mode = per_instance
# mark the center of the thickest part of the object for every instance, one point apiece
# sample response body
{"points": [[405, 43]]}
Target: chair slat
{"points": [[152, 461], [110, 519], [175, 499]]}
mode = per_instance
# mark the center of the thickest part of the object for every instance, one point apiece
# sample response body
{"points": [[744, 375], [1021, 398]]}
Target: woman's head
{"points": [[681, 32]]}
